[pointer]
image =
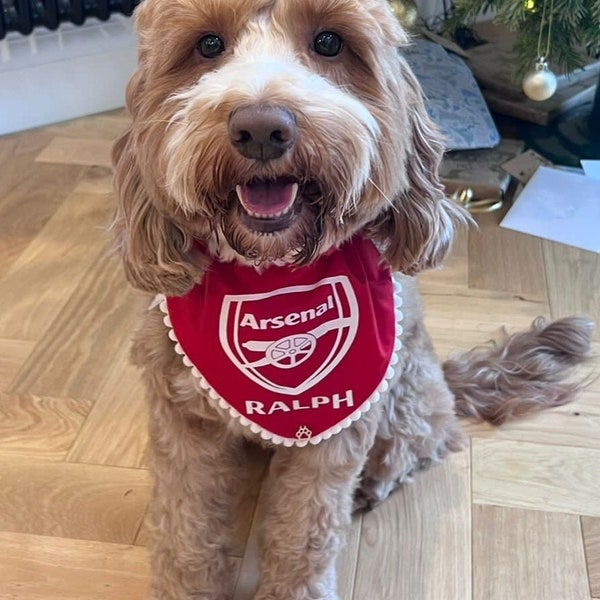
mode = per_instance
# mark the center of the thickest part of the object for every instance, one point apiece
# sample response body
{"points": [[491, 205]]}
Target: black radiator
{"points": [[24, 15]]}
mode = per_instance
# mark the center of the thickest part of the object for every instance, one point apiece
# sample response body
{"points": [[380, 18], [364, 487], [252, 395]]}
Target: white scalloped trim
{"points": [[161, 301]]}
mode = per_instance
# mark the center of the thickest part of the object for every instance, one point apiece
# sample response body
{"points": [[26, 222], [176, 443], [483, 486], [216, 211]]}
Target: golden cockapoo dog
{"points": [[267, 136]]}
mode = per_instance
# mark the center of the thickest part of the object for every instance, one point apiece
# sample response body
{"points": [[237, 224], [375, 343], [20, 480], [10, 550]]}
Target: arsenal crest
{"points": [[297, 354], [290, 351]]}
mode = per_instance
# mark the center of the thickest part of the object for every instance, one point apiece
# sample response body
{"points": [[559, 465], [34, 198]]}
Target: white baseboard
{"points": [[52, 76]]}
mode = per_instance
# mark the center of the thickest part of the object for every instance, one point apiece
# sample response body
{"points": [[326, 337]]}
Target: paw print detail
{"points": [[303, 433]]}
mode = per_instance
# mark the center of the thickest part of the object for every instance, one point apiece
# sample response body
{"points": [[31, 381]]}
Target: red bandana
{"points": [[300, 353]]}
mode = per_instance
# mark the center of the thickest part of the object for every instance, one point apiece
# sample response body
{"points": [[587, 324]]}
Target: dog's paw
{"points": [[372, 492], [164, 594], [326, 596], [326, 589]]}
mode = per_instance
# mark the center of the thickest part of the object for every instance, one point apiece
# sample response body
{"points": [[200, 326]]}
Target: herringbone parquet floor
{"points": [[515, 517]]}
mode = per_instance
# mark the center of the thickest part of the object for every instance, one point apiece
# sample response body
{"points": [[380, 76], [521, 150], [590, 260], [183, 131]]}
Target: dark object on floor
{"points": [[466, 38]]}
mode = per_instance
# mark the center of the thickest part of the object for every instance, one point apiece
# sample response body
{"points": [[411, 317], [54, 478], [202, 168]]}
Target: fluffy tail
{"points": [[525, 373]]}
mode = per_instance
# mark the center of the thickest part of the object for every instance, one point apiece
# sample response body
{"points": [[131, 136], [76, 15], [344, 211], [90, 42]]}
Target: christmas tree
{"points": [[550, 34], [555, 32], [561, 31]]}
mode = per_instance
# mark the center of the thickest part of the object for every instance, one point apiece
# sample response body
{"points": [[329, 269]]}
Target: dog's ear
{"points": [[156, 253], [417, 229]]}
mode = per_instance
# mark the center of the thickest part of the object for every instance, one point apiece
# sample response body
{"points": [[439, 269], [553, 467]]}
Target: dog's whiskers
{"points": [[383, 195], [155, 121]]}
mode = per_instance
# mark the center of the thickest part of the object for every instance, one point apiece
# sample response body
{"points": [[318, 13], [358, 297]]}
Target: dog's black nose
{"points": [[262, 132]]}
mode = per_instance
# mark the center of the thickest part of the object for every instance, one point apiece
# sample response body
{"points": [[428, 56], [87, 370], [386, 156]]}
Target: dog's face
{"points": [[274, 129]]}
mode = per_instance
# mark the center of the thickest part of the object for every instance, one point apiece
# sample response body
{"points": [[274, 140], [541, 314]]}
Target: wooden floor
{"points": [[515, 517]]}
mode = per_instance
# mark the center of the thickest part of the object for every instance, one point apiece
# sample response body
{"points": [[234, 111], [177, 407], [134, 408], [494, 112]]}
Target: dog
{"points": [[278, 191]]}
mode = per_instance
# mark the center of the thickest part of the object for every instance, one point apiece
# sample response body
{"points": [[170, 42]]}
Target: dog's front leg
{"points": [[195, 478], [309, 504]]}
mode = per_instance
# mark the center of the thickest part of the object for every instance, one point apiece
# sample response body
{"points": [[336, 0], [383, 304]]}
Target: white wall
{"points": [[52, 76]]}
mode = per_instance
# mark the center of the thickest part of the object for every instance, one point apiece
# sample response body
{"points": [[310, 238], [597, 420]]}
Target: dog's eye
{"points": [[328, 44], [210, 46]]}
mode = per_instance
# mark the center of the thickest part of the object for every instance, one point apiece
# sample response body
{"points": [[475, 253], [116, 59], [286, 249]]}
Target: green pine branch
{"points": [[575, 28]]}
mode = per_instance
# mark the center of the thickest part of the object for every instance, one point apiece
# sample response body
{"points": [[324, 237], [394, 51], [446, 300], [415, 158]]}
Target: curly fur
{"points": [[366, 161], [523, 374]]}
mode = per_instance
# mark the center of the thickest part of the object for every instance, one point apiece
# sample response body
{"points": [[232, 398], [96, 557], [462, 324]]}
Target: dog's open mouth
{"points": [[268, 206]]}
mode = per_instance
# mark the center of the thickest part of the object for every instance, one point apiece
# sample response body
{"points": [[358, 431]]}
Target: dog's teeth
{"points": [[294, 193], [238, 191], [281, 213]]}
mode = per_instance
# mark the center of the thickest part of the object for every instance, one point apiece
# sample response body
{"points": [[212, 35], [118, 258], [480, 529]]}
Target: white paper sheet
{"points": [[559, 206], [591, 168]]}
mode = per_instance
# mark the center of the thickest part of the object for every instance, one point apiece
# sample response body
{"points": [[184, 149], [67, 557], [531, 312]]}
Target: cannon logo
{"points": [[290, 339]]}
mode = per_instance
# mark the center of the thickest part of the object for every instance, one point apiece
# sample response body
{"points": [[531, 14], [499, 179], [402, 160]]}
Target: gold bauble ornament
{"points": [[406, 12], [540, 84]]}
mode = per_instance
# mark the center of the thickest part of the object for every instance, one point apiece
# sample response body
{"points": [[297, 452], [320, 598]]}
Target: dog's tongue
{"points": [[267, 198]]}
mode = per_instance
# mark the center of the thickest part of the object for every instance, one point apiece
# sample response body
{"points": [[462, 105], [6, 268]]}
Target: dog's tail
{"points": [[524, 373]]}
